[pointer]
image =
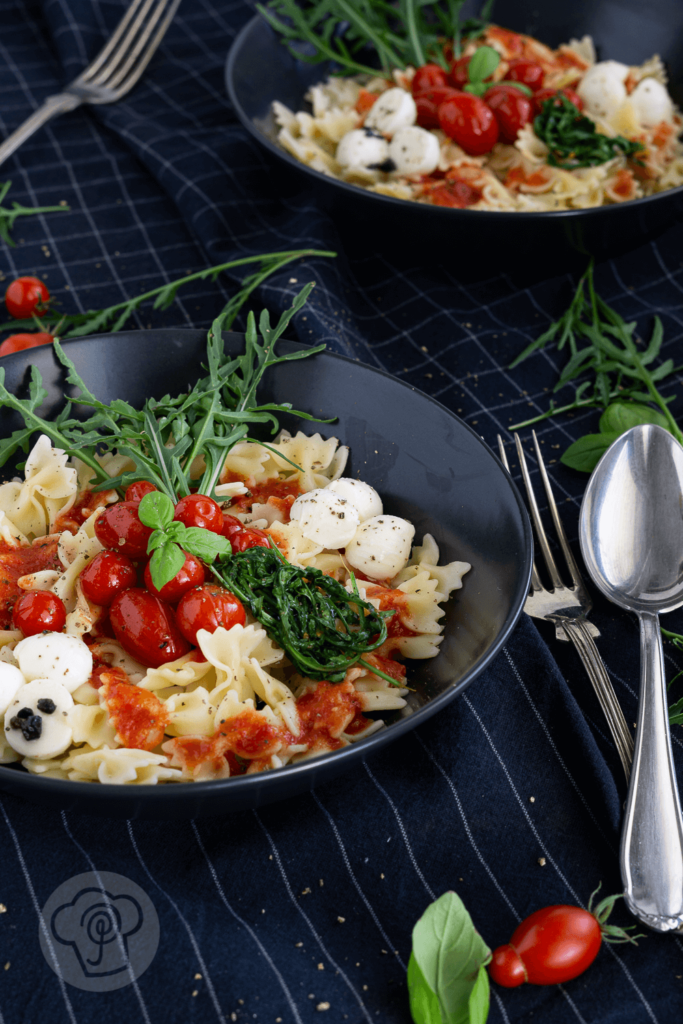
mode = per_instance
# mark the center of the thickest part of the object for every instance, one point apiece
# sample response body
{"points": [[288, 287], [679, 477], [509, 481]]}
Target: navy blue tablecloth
{"points": [[512, 796]]}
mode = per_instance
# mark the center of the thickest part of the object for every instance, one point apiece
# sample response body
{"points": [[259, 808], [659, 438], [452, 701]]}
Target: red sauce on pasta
{"points": [[83, 507], [21, 561], [139, 717], [281, 493]]}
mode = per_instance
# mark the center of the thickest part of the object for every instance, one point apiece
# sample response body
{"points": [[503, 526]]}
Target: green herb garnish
{"points": [[8, 217], [481, 66], [573, 139], [322, 628], [171, 540]]}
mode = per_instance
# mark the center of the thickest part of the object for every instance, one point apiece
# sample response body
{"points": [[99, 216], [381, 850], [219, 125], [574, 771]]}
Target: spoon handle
{"points": [[652, 837]]}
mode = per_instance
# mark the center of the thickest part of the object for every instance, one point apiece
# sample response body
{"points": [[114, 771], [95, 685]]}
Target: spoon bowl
{"points": [[631, 535]]}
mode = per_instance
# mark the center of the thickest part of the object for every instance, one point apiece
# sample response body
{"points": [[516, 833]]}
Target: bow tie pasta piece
{"points": [[320, 461], [9, 534], [91, 725], [49, 487], [297, 549], [112, 653], [190, 714], [179, 676], [49, 769], [249, 462], [119, 767], [228, 650], [376, 694], [112, 464], [275, 694]]}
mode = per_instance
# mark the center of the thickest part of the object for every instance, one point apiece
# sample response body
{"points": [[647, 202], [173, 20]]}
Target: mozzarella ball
{"points": [[381, 547], [66, 659], [10, 681], [325, 518], [651, 103], [36, 722], [394, 109], [362, 496], [414, 151], [602, 88], [362, 148]]}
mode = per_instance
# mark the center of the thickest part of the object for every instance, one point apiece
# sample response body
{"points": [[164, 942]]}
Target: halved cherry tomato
{"points": [[106, 576], [191, 575], [37, 610], [198, 510], [528, 72], [26, 296], [427, 77], [470, 122], [545, 94], [18, 342], [208, 607], [120, 529], [428, 103], [138, 490], [511, 107], [146, 627], [549, 947]]}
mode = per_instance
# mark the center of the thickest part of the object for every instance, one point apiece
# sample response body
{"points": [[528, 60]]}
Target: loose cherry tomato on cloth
{"points": [[545, 94], [18, 342], [250, 537], [512, 109], [198, 510], [146, 628], [470, 122], [138, 490], [26, 296], [528, 72], [427, 77], [428, 103], [120, 529], [107, 575], [37, 610], [191, 575], [208, 607], [555, 944]]}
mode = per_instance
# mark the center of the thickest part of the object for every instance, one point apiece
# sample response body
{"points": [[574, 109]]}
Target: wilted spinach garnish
{"points": [[322, 628], [573, 139]]}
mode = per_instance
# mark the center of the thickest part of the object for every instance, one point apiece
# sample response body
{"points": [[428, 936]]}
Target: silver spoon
{"points": [[631, 533]]}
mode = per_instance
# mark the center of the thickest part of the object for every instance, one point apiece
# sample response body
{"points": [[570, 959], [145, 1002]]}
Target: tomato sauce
{"points": [[82, 509], [139, 717], [281, 493], [21, 561], [365, 101]]}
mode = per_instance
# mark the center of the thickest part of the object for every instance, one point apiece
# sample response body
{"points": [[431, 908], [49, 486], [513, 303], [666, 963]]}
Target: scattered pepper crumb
{"points": [[323, 1006], [321, 967], [532, 799], [541, 861], [3, 908], [196, 992]]}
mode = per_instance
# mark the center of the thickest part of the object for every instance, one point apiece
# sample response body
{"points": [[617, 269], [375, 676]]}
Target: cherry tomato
{"points": [[120, 529], [549, 947], [138, 490], [18, 342], [198, 510], [106, 576], [511, 107], [231, 526], [208, 607], [249, 537], [427, 77], [146, 627], [428, 103], [37, 610], [459, 73], [26, 296], [469, 122], [545, 94], [528, 72], [191, 575]]}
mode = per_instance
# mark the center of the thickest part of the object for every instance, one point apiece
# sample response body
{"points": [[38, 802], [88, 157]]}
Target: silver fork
{"points": [[567, 607], [112, 73]]}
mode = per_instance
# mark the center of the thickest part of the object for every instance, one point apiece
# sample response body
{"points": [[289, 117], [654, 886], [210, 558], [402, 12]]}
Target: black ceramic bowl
{"points": [[260, 69], [428, 466]]}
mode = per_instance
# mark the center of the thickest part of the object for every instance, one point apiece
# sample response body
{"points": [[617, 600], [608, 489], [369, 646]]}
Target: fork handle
{"points": [[52, 107], [590, 656]]}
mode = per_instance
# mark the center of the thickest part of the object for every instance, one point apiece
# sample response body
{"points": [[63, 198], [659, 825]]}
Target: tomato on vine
{"points": [[26, 296], [19, 342]]}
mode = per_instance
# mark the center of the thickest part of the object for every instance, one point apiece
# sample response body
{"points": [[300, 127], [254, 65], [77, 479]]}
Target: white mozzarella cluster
{"points": [[394, 109], [602, 88], [349, 514], [414, 151], [362, 148], [57, 656], [651, 103], [411, 150]]}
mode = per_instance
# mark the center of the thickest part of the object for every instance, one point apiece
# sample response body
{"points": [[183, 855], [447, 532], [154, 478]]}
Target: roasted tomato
{"points": [[208, 607], [427, 77], [198, 510], [512, 109], [108, 574], [191, 575], [146, 627], [37, 610], [120, 529], [528, 72], [470, 122]]}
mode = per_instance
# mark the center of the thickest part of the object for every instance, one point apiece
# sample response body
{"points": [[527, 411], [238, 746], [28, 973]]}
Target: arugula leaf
{"points": [[449, 954], [585, 453], [8, 217], [621, 416]]}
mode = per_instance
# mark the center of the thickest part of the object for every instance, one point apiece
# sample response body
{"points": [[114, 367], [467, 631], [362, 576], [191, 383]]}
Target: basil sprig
{"points": [[171, 539], [482, 64], [573, 139]]}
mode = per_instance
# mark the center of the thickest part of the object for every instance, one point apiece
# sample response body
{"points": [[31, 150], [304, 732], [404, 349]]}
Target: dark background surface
{"points": [[164, 182]]}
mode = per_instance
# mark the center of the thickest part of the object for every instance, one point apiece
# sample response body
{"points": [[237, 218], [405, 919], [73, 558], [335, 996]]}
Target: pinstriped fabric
{"points": [[267, 916]]}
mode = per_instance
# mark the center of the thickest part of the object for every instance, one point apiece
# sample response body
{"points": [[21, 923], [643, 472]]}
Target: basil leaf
{"points": [[449, 952], [165, 563], [585, 453], [156, 510], [518, 85], [205, 544], [424, 1006], [156, 540], [176, 531], [479, 998], [482, 64], [621, 416], [675, 718]]}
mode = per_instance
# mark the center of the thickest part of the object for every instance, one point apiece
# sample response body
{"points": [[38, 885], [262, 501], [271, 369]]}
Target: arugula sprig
{"points": [[573, 139], [8, 216], [171, 540]]}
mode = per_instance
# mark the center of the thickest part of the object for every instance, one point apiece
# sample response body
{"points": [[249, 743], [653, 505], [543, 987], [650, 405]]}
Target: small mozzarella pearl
{"points": [[651, 103], [66, 659], [602, 88], [414, 151], [362, 496], [381, 546], [362, 148], [55, 731], [325, 518], [10, 681], [394, 109]]}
